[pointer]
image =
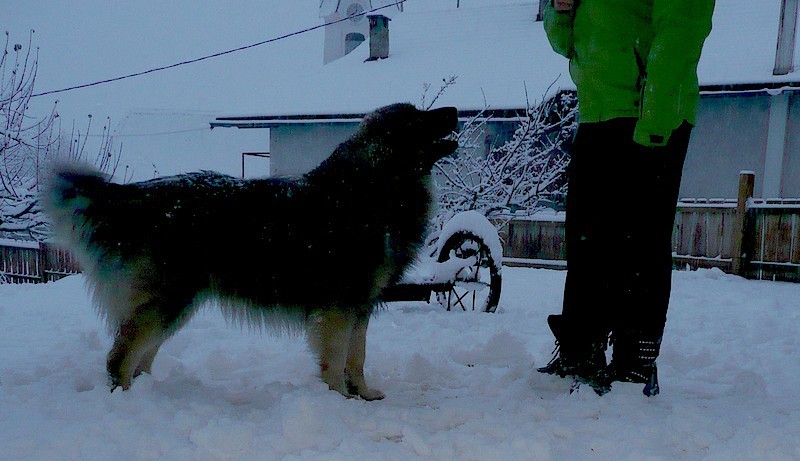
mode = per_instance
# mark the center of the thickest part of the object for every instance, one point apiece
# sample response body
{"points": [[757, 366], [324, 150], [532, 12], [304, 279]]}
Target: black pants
{"points": [[620, 215]]}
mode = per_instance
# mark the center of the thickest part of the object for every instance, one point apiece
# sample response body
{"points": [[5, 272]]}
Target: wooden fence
{"points": [[31, 262], [754, 238], [708, 235], [536, 242]]}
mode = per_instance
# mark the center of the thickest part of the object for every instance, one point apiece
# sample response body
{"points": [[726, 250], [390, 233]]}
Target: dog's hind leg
{"points": [[138, 338], [356, 354], [146, 362], [329, 333]]}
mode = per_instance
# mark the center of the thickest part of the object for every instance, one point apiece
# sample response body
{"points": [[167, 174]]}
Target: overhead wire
{"points": [[136, 135], [215, 55]]}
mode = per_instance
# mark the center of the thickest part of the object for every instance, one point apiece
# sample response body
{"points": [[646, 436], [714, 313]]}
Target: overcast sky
{"points": [[89, 40]]}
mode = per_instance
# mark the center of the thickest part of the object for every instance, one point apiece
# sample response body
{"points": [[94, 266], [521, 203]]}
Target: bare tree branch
{"points": [[446, 83]]}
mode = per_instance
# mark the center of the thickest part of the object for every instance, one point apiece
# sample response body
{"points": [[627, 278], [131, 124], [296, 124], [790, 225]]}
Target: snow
{"points": [[742, 44], [459, 385], [475, 223], [18, 243], [545, 215], [108, 40], [496, 50]]}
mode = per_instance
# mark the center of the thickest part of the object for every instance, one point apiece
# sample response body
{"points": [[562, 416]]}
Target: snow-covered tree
{"points": [[28, 144], [22, 139], [516, 178]]}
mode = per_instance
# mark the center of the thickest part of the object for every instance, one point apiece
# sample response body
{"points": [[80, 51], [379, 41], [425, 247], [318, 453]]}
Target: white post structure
{"points": [[776, 145], [784, 55]]}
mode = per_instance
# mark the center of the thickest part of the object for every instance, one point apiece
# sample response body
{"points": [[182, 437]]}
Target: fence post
{"points": [[43, 261], [740, 246]]}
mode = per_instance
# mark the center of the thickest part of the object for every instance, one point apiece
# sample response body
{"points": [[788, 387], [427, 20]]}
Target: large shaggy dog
{"points": [[315, 251]]}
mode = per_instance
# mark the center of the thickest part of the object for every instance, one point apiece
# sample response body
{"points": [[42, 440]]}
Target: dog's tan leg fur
{"points": [[339, 340], [135, 345], [356, 355], [146, 362], [329, 336]]}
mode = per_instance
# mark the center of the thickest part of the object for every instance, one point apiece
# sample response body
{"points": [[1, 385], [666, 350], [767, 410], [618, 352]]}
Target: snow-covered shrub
{"points": [[517, 178]]}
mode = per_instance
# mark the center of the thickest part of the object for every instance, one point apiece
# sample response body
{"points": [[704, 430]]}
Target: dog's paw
{"points": [[112, 386], [358, 387], [139, 370], [371, 394], [342, 390], [115, 382], [365, 392]]}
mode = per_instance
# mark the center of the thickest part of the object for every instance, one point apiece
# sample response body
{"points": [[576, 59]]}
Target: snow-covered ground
{"points": [[459, 385]]}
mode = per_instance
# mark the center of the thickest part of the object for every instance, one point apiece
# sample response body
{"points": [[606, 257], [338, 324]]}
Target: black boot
{"points": [[583, 358], [634, 361], [558, 365]]}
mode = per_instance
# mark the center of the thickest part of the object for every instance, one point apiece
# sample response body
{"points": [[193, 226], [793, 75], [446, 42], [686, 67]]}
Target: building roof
{"points": [[500, 57]]}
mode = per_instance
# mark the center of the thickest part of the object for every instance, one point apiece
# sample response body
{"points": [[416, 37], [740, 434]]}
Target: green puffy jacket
{"points": [[634, 58]]}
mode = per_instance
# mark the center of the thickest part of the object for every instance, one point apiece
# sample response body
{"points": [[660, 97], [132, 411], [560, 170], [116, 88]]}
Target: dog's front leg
{"points": [[329, 334], [356, 355]]}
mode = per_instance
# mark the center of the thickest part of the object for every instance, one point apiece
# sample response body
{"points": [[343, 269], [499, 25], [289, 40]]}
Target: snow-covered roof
{"points": [[328, 7], [500, 56], [742, 45], [495, 47]]}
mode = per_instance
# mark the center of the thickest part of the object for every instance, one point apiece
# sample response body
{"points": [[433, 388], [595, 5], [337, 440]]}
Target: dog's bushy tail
{"points": [[69, 191]]}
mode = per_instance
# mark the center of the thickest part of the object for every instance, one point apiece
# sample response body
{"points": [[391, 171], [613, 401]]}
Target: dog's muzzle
{"points": [[445, 121]]}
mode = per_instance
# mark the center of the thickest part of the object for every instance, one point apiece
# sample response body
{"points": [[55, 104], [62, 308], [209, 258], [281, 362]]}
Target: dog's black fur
{"points": [[313, 251]]}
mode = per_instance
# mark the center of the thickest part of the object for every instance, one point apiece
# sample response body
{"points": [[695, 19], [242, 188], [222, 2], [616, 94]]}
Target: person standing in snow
{"points": [[634, 64]]}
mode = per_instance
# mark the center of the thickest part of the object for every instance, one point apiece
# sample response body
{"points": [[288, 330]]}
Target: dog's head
{"points": [[413, 132]]}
